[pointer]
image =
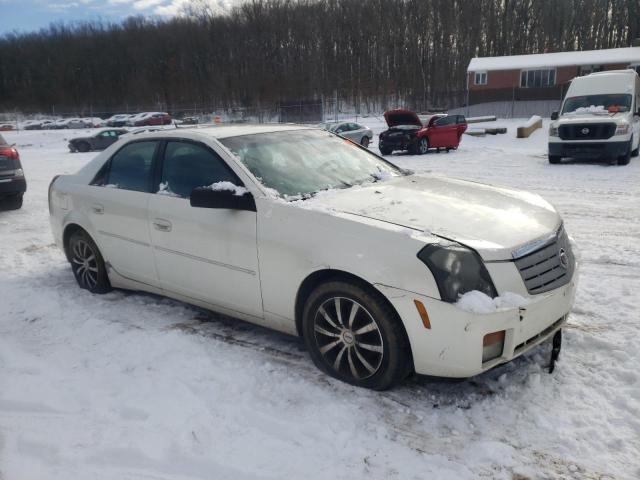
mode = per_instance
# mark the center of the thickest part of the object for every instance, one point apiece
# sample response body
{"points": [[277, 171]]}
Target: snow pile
{"points": [[228, 187], [532, 121], [165, 190], [382, 175], [480, 303], [591, 109]]}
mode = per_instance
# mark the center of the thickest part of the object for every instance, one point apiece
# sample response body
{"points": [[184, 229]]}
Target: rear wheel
{"points": [[87, 263], [354, 336], [365, 142], [13, 202], [83, 147], [554, 159]]}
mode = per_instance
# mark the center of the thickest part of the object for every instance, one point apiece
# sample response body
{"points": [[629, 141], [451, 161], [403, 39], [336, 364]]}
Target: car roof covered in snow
{"points": [[225, 131], [559, 59]]}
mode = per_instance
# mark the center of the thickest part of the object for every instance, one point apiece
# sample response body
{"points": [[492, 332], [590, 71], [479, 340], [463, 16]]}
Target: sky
{"points": [[30, 15]]}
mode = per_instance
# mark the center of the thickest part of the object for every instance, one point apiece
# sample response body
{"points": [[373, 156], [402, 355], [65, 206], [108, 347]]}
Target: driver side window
{"points": [[189, 165]]}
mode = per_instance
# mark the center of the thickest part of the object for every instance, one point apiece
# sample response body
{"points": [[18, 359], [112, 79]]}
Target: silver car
{"points": [[353, 131]]}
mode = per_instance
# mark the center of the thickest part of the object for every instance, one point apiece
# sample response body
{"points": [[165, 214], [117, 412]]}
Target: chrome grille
{"points": [[587, 131], [544, 269]]}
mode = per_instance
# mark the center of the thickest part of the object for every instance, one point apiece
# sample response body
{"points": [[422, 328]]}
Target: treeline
{"points": [[265, 51]]}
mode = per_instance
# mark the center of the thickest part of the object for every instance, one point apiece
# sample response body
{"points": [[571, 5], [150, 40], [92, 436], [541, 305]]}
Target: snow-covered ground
{"points": [[132, 386]]}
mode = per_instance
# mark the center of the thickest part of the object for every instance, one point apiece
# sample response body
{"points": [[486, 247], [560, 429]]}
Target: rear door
{"points": [[444, 133], [202, 253], [116, 203]]}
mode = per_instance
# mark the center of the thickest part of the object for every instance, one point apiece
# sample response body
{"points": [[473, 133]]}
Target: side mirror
{"points": [[204, 197], [554, 115]]}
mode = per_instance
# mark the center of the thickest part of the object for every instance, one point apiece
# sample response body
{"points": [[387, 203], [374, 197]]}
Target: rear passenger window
{"points": [[130, 168], [448, 120], [188, 165]]}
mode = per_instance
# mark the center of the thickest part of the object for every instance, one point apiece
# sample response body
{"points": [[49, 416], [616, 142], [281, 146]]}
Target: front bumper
{"points": [[453, 346], [588, 150], [12, 186]]}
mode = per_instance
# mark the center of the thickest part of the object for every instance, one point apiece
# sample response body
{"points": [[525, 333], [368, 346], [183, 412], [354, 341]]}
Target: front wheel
{"points": [[87, 263], [354, 336], [422, 146], [365, 142], [554, 159], [636, 152], [14, 202], [626, 158], [83, 147], [385, 151]]}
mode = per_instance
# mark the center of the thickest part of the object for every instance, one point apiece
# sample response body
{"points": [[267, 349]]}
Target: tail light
{"points": [[9, 152]]}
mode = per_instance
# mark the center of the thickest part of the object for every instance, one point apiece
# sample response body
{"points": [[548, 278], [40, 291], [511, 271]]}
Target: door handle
{"points": [[97, 208], [162, 225]]}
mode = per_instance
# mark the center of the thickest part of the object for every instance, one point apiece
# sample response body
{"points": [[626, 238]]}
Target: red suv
{"points": [[408, 132]]}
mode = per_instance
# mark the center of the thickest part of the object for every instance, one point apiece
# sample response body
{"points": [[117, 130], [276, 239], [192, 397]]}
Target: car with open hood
{"points": [[418, 134], [97, 141], [381, 271]]}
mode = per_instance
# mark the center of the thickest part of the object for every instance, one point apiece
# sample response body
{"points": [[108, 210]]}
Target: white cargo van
{"points": [[599, 119]]}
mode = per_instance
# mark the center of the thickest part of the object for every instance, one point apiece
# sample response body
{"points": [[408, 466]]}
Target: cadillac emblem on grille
{"points": [[564, 260], [585, 131]]}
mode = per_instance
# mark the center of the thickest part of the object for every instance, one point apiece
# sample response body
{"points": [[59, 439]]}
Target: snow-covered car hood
{"points": [[494, 221], [571, 118]]}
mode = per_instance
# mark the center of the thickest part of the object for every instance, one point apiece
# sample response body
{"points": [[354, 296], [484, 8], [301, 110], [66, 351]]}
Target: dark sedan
{"points": [[12, 182], [99, 141]]}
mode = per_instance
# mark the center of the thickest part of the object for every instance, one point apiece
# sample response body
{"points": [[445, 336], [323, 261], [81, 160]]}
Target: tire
{"points": [[626, 158], [421, 146], [87, 263], [83, 147], [336, 347], [365, 142], [13, 202], [636, 152], [386, 151], [554, 159]]}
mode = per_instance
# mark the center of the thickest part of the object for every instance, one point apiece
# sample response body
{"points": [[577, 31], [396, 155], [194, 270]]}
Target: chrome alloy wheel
{"points": [[423, 146], [85, 264], [348, 338]]}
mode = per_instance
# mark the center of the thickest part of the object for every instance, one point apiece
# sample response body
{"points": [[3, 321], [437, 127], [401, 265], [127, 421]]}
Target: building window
{"points": [[480, 78], [538, 78], [587, 69]]}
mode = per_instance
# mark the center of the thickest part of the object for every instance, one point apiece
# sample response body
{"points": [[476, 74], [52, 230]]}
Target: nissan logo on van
{"points": [[584, 131]]}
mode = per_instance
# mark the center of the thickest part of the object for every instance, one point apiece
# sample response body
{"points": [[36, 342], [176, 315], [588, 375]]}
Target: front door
{"points": [[116, 204], [206, 254]]}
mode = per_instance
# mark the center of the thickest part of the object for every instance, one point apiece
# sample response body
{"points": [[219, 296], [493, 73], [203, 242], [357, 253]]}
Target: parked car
{"points": [[152, 118], [37, 124], [353, 131], [12, 181], [408, 132], [369, 272], [599, 119], [119, 120], [190, 121], [65, 123], [92, 122], [97, 141], [6, 127]]}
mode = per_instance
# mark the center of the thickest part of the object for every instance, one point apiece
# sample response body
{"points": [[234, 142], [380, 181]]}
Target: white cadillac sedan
{"points": [[382, 272]]}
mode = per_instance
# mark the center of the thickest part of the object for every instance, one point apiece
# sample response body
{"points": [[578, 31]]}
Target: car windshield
{"points": [[605, 103], [303, 162]]}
